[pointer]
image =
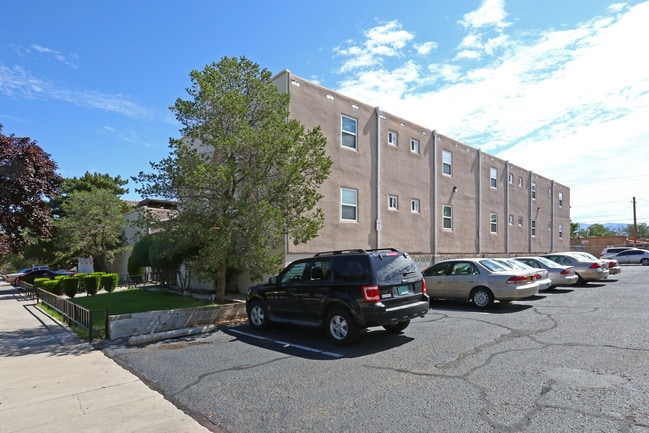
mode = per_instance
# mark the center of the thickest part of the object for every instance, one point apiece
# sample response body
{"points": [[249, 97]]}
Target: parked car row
{"points": [[346, 291]]}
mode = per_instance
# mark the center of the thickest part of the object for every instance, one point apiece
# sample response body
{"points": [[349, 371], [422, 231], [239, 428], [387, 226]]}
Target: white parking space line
{"points": [[286, 344]]}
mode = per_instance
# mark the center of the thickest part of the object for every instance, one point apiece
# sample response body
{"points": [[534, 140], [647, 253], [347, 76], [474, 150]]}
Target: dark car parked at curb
{"points": [[342, 292], [29, 277]]}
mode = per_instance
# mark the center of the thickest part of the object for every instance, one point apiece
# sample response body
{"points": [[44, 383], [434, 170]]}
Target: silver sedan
{"points": [[635, 256], [480, 281], [560, 275], [585, 268], [541, 274]]}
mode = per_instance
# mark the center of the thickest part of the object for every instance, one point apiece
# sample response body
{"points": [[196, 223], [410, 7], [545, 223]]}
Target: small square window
{"points": [[510, 178], [520, 221], [520, 182], [493, 222], [393, 202], [414, 145], [510, 220], [349, 132], [414, 205], [393, 138]]}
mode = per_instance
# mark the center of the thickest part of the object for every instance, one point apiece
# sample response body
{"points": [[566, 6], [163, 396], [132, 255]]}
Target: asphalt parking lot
{"points": [[570, 360]]}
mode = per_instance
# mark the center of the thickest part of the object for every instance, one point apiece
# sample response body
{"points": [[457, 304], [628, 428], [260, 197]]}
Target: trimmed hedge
{"points": [[70, 286], [109, 282], [38, 282], [91, 283], [53, 286]]}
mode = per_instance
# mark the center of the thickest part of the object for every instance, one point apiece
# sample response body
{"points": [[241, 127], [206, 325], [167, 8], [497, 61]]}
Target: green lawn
{"points": [[137, 301]]}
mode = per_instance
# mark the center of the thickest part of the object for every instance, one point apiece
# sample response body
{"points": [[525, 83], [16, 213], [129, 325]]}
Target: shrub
{"points": [[38, 282], [91, 283], [80, 277], [53, 286], [109, 282], [70, 286]]}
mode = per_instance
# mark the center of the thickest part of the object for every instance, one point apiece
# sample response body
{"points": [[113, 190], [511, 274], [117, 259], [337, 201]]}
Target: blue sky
{"points": [[557, 87]]}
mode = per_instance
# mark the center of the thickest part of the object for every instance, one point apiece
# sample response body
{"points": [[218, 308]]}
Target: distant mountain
{"points": [[614, 227]]}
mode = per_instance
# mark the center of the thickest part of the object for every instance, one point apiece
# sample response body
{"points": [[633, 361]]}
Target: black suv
{"points": [[343, 292]]}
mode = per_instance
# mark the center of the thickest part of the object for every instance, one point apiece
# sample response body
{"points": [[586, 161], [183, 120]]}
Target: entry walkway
{"points": [[51, 381]]}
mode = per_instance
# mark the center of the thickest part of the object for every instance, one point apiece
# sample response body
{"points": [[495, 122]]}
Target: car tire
{"points": [[644, 262], [395, 328], [340, 326], [580, 280], [482, 297], [258, 315]]}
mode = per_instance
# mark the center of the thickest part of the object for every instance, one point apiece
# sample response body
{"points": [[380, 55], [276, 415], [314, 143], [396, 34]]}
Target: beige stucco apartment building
{"points": [[397, 184]]}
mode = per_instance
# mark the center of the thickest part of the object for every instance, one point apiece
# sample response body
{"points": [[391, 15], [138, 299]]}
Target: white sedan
{"points": [[480, 281], [632, 257], [560, 275]]}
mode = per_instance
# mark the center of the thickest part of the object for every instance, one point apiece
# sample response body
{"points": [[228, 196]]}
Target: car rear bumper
{"points": [[379, 314], [516, 292]]}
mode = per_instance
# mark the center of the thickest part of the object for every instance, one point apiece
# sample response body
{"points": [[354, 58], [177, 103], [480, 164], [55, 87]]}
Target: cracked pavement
{"points": [[570, 360]]}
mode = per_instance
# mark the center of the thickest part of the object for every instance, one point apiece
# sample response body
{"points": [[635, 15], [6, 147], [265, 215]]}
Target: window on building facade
{"points": [[414, 205], [520, 182], [560, 231], [393, 138], [493, 177], [447, 217], [349, 135], [493, 222], [447, 162], [560, 199], [533, 190], [414, 145], [533, 227], [520, 221], [393, 202], [511, 220], [349, 204], [510, 178]]}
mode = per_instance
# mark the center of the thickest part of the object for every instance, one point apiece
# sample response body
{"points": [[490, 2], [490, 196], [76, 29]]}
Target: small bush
{"points": [[109, 282], [91, 283], [38, 282], [70, 286], [80, 278], [53, 286]]}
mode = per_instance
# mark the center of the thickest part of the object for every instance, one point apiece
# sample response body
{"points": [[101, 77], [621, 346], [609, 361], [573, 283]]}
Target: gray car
{"points": [[480, 281], [560, 275], [585, 268], [634, 256], [613, 266]]}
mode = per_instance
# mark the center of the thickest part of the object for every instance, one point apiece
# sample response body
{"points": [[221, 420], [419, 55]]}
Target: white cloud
{"points": [[569, 104], [54, 53], [17, 82]]}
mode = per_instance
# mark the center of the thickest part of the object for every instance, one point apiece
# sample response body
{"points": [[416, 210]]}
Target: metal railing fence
{"points": [[95, 322]]}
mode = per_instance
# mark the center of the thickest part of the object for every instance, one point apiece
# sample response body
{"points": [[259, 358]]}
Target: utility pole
{"points": [[635, 225]]}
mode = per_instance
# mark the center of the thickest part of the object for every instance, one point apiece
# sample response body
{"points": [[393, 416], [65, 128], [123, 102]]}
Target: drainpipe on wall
{"points": [[479, 212], [531, 210], [434, 206], [378, 177], [507, 208], [552, 215]]}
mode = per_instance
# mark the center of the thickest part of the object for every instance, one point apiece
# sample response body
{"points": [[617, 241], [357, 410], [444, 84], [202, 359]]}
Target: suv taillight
{"points": [[371, 294]]}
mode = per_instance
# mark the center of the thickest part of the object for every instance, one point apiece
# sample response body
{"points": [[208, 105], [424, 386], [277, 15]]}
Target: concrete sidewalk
{"points": [[51, 381]]}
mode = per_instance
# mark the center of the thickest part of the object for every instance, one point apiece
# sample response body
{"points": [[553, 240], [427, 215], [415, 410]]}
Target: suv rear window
{"points": [[392, 267]]}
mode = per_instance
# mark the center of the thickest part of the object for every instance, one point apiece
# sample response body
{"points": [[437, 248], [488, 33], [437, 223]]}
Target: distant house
{"points": [[160, 210]]}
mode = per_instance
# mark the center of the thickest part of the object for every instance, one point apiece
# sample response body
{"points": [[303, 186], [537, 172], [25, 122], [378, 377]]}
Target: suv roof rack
{"points": [[353, 251]]}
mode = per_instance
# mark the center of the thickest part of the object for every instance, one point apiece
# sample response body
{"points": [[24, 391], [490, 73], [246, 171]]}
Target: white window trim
{"points": [[393, 202], [393, 138], [492, 223], [414, 145], [415, 206], [449, 164], [343, 132], [447, 218]]}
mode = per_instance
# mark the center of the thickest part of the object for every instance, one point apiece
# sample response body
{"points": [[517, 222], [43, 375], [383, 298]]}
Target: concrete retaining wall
{"points": [[127, 325]]}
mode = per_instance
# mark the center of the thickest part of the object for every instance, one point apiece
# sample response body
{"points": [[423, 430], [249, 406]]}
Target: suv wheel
{"points": [[395, 328], [482, 297], [341, 328], [258, 315]]}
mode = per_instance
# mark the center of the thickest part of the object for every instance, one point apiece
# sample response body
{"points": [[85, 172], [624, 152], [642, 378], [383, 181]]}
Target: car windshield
{"points": [[494, 266], [546, 262]]}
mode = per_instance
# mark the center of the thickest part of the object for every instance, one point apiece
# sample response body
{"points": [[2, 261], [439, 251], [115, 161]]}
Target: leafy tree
{"points": [[89, 182], [244, 174], [642, 230], [28, 179], [598, 230], [93, 226], [574, 230]]}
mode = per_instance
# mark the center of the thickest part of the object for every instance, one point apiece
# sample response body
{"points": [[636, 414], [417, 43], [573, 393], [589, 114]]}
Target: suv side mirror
{"points": [[272, 280]]}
